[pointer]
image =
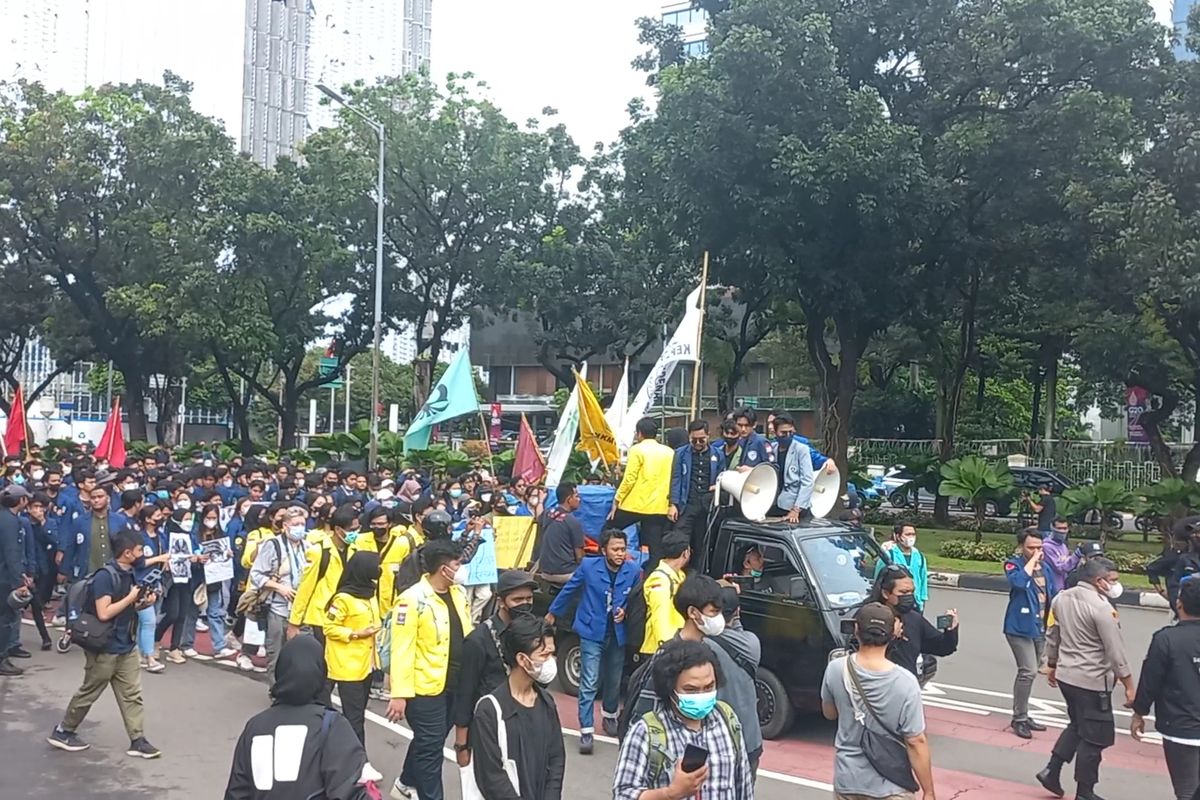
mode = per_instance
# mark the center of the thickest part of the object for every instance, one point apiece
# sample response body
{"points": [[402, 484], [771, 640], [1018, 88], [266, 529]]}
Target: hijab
{"points": [[361, 575], [299, 672]]}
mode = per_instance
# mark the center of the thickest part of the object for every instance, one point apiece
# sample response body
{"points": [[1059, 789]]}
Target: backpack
{"points": [[639, 696], [85, 628], [635, 610], [656, 742], [408, 574], [740, 659], [252, 603]]}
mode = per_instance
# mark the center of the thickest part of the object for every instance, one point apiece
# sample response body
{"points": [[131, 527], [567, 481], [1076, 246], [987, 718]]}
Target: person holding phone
{"points": [[689, 721], [895, 588], [1032, 585]]}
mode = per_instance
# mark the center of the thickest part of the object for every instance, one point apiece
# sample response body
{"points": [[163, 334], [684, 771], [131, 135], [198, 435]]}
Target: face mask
{"points": [[756, 573], [696, 706], [545, 672], [486, 497], [784, 439], [187, 525], [711, 626], [906, 602], [380, 531], [351, 537], [37, 474], [183, 503], [460, 575], [388, 503], [908, 541], [730, 441], [521, 608], [210, 523], [1114, 590], [295, 532], [162, 494], [455, 494], [129, 487], [1059, 536], [18, 479]]}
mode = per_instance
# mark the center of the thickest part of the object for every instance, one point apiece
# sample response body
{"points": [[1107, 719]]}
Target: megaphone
{"points": [[826, 483], [754, 491]]}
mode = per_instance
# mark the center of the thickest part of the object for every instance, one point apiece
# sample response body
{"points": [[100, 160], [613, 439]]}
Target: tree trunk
{"points": [[1036, 405], [950, 395], [1051, 395], [289, 416], [135, 405], [1151, 420], [1191, 463]]}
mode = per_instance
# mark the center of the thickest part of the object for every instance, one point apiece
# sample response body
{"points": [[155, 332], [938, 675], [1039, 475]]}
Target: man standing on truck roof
{"points": [[644, 494], [693, 476]]}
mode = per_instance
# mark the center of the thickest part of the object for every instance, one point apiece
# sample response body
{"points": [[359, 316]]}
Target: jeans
{"points": [[276, 632], [354, 695], [218, 599], [191, 614], [1028, 653], [147, 621], [10, 626], [1183, 765], [101, 670], [601, 664], [43, 590], [179, 597], [429, 718]]}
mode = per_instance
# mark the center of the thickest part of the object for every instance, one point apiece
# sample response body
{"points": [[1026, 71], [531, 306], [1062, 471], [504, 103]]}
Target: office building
{"points": [[692, 23], [1179, 15]]}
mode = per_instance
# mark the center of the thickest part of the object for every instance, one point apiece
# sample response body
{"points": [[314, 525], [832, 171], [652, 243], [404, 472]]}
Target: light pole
{"points": [[379, 200]]}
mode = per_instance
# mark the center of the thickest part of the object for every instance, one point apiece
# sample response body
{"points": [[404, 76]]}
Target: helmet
{"points": [[19, 598], [436, 525]]}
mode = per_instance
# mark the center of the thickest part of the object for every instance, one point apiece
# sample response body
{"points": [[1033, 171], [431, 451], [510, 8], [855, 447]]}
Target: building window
{"points": [[695, 49]]}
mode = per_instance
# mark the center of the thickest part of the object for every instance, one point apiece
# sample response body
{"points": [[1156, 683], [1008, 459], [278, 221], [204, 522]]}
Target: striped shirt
{"points": [[729, 776]]}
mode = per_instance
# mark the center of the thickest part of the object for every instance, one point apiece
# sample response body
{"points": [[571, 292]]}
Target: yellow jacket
{"points": [[646, 486], [401, 542], [253, 539], [349, 659], [315, 589], [662, 620], [315, 538], [421, 639]]}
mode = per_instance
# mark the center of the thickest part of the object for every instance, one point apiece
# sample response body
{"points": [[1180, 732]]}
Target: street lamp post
{"points": [[373, 455]]}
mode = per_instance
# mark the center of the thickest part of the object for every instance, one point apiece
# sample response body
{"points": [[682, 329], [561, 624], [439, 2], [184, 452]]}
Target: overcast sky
{"points": [[572, 55]]}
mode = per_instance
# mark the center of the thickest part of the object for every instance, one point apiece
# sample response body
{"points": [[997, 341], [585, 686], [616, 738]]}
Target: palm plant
{"points": [[1160, 505], [976, 481], [1106, 499], [926, 477]]}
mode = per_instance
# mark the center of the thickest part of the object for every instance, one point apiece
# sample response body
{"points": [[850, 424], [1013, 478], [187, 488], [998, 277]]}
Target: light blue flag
{"points": [[453, 396]]}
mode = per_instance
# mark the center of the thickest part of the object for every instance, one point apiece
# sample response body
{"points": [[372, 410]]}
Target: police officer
{"points": [[1086, 658], [429, 623]]}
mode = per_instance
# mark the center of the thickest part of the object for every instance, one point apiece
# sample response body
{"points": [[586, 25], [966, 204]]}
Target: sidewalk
{"points": [[998, 583]]}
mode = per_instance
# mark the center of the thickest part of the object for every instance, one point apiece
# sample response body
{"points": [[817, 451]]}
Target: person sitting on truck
{"points": [[796, 477], [753, 562], [663, 621], [895, 588], [755, 447]]}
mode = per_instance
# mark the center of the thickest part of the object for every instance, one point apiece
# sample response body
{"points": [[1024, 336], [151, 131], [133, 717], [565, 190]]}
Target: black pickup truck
{"points": [[816, 574]]}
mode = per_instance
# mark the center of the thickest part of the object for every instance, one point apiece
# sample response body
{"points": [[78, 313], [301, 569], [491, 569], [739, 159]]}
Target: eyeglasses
{"points": [[703, 440]]}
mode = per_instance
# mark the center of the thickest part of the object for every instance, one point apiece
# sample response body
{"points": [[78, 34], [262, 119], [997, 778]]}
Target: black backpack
{"points": [[85, 628], [410, 570], [639, 696]]}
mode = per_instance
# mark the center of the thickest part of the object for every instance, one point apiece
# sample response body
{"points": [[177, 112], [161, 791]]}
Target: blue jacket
{"points": [[41, 542], [75, 542], [231, 494], [756, 450], [818, 458], [681, 471], [591, 618], [1024, 614]]}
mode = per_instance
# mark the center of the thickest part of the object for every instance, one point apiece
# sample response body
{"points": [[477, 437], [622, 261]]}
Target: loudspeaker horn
{"points": [[826, 484], [754, 491]]}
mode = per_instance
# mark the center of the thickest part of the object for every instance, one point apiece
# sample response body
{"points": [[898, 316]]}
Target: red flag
{"points": [[528, 462], [112, 441], [14, 434]]}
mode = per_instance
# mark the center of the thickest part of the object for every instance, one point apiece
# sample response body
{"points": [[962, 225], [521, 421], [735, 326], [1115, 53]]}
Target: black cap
{"points": [[512, 579], [1090, 549], [876, 616], [15, 490]]}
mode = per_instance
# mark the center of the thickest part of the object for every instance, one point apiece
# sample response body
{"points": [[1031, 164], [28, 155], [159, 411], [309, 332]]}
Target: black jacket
{"points": [[1170, 681], [540, 761], [920, 638], [480, 671], [12, 551]]}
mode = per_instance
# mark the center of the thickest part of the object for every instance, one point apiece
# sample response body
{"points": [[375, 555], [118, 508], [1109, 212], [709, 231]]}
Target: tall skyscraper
{"points": [[693, 24], [275, 84]]}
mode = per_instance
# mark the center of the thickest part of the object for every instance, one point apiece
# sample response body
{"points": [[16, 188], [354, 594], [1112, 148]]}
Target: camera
{"points": [[151, 582]]}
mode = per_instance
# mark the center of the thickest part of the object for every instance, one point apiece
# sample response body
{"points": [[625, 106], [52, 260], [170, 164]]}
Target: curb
{"points": [[999, 584]]}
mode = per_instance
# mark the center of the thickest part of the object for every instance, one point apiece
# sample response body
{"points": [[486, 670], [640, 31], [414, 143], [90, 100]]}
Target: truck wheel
{"points": [[899, 499], [775, 711], [571, 660]]}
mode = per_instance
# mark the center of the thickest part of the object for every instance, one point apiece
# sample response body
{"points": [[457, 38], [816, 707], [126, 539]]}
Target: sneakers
{"points": [[9, 669], [232, 642], [66, 740], [610, 726], [46, 645], [587, 744], [154, 666], [190, 652], [402, 792], [225, 653], [176, 657], [140, 748], [58, 621], [201, 626], [244, 663], [378, 693]]}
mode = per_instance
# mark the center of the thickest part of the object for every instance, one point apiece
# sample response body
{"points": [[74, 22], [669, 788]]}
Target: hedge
{"points": [[957, 522], [997, 552]]}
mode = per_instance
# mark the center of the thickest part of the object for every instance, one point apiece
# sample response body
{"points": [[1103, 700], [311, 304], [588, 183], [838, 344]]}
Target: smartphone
{"points": [[944, 622], [693, 758]]}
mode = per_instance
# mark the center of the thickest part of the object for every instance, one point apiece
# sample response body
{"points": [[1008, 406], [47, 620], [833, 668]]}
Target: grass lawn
{"points": [[929, 541]]}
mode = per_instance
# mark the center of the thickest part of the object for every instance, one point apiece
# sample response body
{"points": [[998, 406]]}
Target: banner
{"points": [[453, 396], [494, 434], [14, 434], [112, 441], [620, 402], [595, 437], [564, 437], [1137, 401], [220, 560], [683, 346], [527, 461], [514, 538]]}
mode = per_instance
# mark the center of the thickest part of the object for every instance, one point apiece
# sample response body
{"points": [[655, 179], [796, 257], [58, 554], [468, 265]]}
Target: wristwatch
{"points": [[461, 748]]}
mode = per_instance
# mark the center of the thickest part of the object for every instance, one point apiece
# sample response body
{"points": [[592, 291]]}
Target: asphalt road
{"points": [[196, 711]]}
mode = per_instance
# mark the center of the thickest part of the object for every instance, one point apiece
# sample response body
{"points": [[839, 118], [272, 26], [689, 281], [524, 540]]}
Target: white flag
{"points": [[564, 436], [683, 346], [620, 403]]}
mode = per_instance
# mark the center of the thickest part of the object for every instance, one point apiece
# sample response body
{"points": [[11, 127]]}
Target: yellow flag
{"points": [[595, 436]]}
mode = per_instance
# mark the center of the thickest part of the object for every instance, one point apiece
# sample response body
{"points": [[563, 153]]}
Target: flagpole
{"points": [[487, 440], [699, 341]]}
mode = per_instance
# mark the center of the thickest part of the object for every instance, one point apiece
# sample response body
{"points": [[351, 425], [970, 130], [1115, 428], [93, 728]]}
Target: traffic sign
{"points": [[327, 367]]}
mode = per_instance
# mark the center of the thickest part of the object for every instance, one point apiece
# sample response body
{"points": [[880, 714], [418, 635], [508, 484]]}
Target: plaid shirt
{"points": [[729, 775]]}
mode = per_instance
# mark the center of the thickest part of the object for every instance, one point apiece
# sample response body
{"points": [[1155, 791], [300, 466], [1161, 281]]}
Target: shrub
{"points": [[968, 550]]}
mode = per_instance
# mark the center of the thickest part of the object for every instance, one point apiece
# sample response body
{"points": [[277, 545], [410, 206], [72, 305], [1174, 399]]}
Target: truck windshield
{"points": [[844, 566]]}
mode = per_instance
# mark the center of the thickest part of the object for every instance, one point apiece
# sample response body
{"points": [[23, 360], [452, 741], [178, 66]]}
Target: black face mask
{"points": [[730, 442], [380, 532], [523, 608], [906, 603]]}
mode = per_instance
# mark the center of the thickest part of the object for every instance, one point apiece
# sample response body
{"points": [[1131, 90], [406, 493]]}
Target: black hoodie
{"points": [[331, 758]]}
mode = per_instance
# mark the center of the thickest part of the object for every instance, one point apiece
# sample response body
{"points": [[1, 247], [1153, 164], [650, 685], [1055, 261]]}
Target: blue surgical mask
{"points": [[784, 439], [455, 493], [351, 537], [756, 573], [696, 706], [163, 494], [18, 479]]}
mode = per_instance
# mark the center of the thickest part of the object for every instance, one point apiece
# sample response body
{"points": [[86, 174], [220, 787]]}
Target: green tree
{"points": [[1104, 499], [976, 481]]}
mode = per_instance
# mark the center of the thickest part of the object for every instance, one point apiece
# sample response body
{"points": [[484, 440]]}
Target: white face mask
{"points": [[1114, 590], [37, 474], [460, 574], [909, 542], [184, 503], [711, 626], [210, 523], [545, 672], [296, 531]]}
